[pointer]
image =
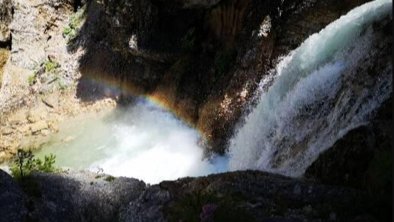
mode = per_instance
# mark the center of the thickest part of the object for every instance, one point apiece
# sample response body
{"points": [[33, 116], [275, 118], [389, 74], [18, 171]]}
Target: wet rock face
{"points": [[361, 159]]}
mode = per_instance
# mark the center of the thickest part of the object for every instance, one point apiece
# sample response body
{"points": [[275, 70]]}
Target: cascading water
{"points": [[313, 101]]}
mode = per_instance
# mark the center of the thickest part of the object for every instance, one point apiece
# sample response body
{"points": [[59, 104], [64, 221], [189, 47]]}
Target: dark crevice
{"points": [[77, 4], [6, 44]]}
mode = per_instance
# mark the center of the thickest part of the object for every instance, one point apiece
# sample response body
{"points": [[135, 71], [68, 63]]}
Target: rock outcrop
{"points": [[235, 196], [37, 73], [362, 159], [82, 197], [354, 160], [63, 197]]}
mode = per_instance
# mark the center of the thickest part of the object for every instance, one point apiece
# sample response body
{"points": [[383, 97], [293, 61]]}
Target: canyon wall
{"points": [[202, 59]]}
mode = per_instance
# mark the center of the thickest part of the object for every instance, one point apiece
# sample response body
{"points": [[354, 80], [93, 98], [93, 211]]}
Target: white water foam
{"points": [[143, 142]]}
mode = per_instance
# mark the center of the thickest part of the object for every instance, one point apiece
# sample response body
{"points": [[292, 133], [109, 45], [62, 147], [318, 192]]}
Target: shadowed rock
{"points": [[12, 200]]}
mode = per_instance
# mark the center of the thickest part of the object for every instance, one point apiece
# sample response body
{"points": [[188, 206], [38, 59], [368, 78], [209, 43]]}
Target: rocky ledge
{"points": [[234, 196]]}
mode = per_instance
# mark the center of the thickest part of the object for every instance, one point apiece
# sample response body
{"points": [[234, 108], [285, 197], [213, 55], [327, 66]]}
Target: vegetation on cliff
{"points": [[25, 163]]}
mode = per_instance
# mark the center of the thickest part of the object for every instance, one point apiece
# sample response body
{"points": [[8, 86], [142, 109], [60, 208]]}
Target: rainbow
{"points": [[159, 98]]}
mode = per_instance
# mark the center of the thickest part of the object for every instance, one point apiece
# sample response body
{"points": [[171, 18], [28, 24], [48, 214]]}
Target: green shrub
{"points": [[32, 79], [109, 178], [25, 163], [67, 30], [50, 65], [71, 30]]}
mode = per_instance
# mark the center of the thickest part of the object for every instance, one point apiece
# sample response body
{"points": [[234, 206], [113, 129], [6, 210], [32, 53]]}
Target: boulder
{"points": [[82, 196]]}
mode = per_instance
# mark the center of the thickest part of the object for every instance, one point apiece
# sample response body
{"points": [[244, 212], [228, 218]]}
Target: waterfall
{"points": [[314, 100], [318, 93]]}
